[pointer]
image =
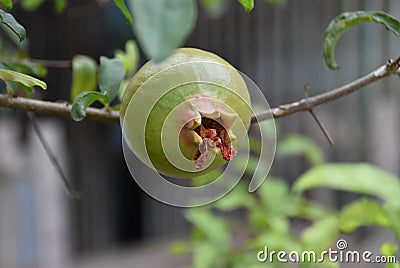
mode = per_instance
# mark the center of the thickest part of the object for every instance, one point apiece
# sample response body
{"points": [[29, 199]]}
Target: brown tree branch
{"points": [[54, 108], [305, 104]]}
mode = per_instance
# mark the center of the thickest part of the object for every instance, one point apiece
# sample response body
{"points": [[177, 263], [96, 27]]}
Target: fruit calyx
{"points": [[213, 135]]}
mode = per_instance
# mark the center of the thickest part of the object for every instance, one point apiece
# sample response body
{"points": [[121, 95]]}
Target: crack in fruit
{"points": [[213, 135]]}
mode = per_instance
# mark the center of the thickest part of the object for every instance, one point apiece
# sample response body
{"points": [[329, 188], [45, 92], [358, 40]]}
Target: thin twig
{"points": [[52, 157], [88, 9], [323, 128], [62, 109], [314, 115], [46, 63]]}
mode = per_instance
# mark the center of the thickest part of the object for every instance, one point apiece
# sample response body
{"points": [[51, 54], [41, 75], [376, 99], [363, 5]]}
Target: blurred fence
{"points": [[34, 221]]}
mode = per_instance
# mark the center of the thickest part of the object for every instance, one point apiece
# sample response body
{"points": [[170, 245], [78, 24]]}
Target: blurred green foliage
{"points": [[231, 231]]}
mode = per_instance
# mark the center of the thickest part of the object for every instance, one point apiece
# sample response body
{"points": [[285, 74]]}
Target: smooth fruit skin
{"points": [[190, 83]]}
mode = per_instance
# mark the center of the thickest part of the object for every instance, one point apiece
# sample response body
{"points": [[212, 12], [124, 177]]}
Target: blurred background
{"points": [[116, 224]]}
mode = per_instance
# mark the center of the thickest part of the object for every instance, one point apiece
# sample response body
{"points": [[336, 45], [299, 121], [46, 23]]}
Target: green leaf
{"points": [[349, 19], [14, 86], [111, 73], [7, 3], [162, 25], [84, 75], [59, 5], [363, 212], [358, 178], [31, 5], [299, 145], [394, 214], [26, 67], [29, 81], [390, 250], [239, 197], [214, 228], [278, 239], [204, 255], [129, 58], [279, 225], [22, 67], [124, 9], [274, 195], [247, 4], [83, 101], [122, 88], [9, 21], [321, 235], [178, 248], [301, 207], [214, 6]]}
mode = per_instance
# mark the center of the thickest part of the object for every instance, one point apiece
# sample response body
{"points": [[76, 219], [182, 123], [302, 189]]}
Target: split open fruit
{"points": [[187, 115]]}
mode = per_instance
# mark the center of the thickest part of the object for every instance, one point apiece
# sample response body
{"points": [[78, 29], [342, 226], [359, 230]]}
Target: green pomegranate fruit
{"points": [[187, 115]]}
